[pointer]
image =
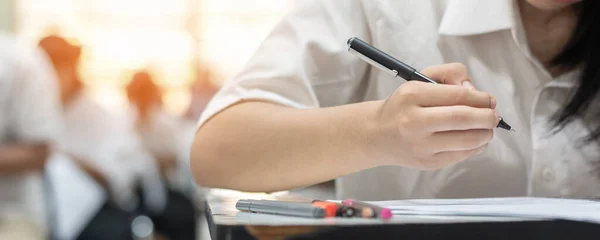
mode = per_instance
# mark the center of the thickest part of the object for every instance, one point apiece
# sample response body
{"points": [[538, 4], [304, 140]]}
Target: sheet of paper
{"points": [[77, 197], [539, 208]]}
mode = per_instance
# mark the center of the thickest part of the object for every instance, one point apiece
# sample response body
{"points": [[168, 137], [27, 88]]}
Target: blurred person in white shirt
{"points": [[105, 147], [30, 123], [166, 137], [202, 91]]}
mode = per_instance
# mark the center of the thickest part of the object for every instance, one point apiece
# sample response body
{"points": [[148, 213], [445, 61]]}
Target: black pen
{"points": [[394, 66]]}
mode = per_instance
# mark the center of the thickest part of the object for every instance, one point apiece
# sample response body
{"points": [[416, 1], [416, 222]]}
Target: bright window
{"points": [[169, 37]]}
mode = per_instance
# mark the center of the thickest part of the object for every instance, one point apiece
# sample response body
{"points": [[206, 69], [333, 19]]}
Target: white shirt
{"points": [[29, 112], [304, 63], [109, 143], [166, 135]]}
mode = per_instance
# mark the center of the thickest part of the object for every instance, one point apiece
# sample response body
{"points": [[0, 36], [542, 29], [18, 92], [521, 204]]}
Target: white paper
{"points": [[77, 197], [537, 208]]}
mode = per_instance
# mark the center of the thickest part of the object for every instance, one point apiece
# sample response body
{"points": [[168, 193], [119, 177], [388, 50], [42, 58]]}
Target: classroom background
{"points": [[183, 49], [175, 39]]}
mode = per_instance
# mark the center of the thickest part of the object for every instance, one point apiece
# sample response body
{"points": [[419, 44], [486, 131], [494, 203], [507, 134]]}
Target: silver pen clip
{"points": [[392, 72]]}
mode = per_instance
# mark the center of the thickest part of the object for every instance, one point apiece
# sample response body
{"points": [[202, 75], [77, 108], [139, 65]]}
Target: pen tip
{"points": [[513, 130]]}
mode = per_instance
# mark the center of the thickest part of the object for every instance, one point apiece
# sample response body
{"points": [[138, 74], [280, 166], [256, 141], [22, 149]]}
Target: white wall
{"points": [[7, 8]]}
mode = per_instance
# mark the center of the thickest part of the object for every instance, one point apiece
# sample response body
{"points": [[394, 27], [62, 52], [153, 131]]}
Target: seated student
{"points": [[304, 110], [162, 135], [202, 90], [102, 145], [30, 123]]}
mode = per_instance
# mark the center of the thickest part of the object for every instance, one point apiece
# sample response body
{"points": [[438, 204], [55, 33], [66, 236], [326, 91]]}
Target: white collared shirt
{"points": [[29, 113], [304, 63]]}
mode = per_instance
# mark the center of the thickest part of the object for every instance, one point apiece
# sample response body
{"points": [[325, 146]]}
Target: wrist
{"points": [[370, 134]]}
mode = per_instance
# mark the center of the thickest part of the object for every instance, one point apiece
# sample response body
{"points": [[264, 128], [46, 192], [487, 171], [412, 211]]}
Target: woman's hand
{"points": [[430, 126]]}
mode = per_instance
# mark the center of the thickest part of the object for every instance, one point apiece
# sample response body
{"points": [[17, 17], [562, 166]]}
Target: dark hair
{"points": [[144, 93], [60, 51], [583, 50]]}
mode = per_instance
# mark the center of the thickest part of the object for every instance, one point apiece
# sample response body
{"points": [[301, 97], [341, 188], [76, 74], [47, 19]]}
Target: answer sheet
{"points": [[523, 207]]}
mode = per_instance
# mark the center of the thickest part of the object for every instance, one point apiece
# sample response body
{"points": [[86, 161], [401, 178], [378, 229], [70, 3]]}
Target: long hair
{"points": [[583, 50]]}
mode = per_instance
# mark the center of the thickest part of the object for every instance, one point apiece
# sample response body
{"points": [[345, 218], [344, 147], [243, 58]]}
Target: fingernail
{"points": [[492, 102], [468, 85]]}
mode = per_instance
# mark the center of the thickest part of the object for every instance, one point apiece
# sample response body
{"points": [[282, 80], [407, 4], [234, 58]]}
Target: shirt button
{"points": [[547, 175]]}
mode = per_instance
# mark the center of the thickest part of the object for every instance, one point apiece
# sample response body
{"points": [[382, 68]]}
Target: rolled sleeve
{"points": [[306, 49]]}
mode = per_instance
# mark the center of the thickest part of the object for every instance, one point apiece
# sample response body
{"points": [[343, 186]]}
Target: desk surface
{"points": [[224, 213], [225, 222]]}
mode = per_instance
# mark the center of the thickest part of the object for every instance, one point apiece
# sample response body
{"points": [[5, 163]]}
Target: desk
{"points": [[225, 222]]}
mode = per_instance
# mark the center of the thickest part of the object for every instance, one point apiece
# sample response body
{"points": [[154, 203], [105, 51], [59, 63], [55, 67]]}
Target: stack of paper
{"points": [[540, 208]]}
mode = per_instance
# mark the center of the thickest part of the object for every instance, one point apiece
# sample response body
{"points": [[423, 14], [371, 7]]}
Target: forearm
{"points": [[263, 147], [18, 158]]}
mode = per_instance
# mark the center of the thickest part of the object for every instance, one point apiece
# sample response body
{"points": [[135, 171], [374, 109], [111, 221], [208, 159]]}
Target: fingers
{"points": [[450, 74], [452, 118], [447, 158], [431, 95], [453, 141]]}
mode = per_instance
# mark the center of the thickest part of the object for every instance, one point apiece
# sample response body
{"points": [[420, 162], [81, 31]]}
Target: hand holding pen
{"points": [[429, 125]]}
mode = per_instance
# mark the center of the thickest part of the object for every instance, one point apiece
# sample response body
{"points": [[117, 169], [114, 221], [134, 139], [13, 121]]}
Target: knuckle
{"points": [[460, 72], [461, 95], [458, 116], [408, 90]]}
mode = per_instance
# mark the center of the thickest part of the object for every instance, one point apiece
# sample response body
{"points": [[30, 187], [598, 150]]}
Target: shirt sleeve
{"points": [[307, 50], [35, 108]]}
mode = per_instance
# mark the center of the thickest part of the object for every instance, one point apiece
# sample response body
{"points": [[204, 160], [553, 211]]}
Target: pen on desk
{"points": [[342, 210], [329, 207], [347, 212], [280, 208], [384, 213], [394, 66]]}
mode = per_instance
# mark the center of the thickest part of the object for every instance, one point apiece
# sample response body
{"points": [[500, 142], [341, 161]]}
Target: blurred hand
{"points": [[430, 126]]}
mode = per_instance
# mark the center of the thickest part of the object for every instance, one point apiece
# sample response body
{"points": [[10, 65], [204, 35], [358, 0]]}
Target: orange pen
{"points": [[329, 207]]}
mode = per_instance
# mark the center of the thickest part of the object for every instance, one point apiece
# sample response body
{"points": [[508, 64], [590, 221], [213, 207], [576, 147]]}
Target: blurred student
{"points": [[30, 123], [202, 90], [163, 136], [102, 145]]}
